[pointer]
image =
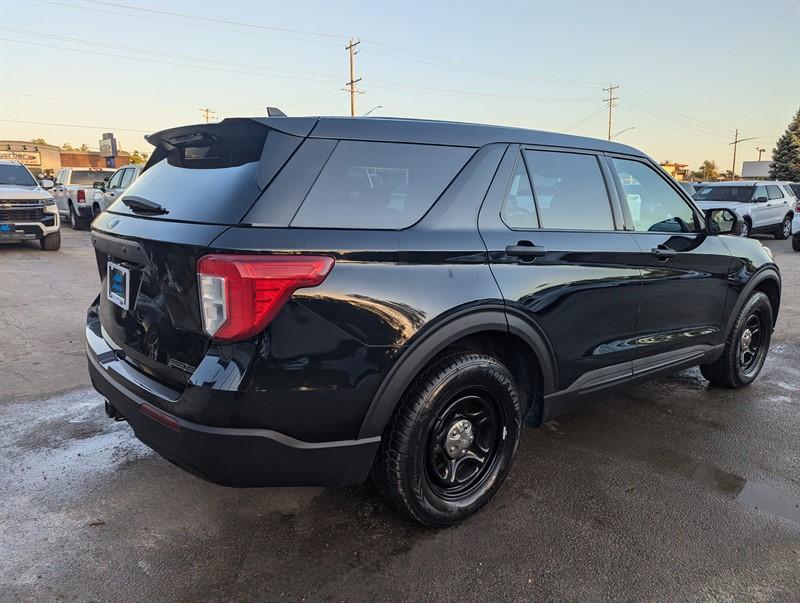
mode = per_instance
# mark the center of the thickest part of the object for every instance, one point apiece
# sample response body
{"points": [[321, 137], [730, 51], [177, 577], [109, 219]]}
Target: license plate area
{"points": [[118, 285]]}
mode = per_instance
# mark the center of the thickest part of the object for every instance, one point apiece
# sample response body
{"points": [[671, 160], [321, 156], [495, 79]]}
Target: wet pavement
{"points": [[669, 490]]}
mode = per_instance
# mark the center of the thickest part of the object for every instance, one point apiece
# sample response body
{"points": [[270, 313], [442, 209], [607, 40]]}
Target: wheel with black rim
{"points": [[746, 347], [784, 231], [451, 441], [745, 228]]}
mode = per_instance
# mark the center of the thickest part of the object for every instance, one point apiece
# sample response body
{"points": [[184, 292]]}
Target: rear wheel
{"points": [[747, 346], [75, 220], [51, 242], [796, 242], [451, 441], [95, 210], [784, 231]]}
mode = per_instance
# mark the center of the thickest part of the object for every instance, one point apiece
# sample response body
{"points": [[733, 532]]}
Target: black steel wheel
{"points": [[451, 441], [746, 347]]}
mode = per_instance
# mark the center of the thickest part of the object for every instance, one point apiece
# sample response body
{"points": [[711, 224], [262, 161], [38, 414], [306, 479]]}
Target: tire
{"points": [[75, 221], [784, 231], [96, 211], [746, 228], [735, 368], [51, 242], [796, 242], [431, 438]]}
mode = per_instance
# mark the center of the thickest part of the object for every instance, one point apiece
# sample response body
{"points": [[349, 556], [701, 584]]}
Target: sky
{"points": [[689, 72]]}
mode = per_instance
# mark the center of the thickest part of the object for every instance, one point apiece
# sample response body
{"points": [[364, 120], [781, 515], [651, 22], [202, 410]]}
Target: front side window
{"points": [[570, 191], [654, 205], [127, 177], [379, 185], [116, 179], [519, 209], [774, 192]]}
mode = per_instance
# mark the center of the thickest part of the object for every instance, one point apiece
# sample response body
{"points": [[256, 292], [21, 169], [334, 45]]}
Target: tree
{"points": [[786, 154], [137, 157], [707, 171], [67, 147], [84, 148], [38, 141]]}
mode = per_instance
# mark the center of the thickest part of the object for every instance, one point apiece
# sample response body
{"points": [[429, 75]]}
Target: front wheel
{"points": [[747, 346], [451, 441], [745, 229], [785, 229], [51, 242]]}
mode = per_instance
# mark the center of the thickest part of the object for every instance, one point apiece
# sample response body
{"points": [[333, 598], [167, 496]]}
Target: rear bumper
{"points": [[229, 456]]}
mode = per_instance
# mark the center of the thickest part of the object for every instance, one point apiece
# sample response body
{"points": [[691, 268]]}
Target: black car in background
{"points": [[311, 301]]}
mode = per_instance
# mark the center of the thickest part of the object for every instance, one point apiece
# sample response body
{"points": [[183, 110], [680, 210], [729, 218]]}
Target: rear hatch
{"points": [[200, 181]]}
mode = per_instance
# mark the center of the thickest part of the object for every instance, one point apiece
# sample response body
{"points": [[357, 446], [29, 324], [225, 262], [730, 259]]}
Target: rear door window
{"points": [[370, 185], [115, 179], [570, 191], [519, 208], [127, 176]]}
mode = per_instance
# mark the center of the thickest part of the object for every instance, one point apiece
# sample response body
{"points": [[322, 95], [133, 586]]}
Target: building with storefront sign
{"points": [[47, 159]]}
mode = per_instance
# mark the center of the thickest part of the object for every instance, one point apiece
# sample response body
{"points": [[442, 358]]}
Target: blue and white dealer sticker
{"points": [[118, 285]]}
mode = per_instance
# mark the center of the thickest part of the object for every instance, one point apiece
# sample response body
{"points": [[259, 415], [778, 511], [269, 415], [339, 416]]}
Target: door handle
{"points": [[525, 249], [663, 253]]}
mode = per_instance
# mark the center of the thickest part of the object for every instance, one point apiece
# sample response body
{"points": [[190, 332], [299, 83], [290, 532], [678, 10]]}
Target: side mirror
{"points": [[760, 199], [723, 221], [46, 183], [100, 185]]}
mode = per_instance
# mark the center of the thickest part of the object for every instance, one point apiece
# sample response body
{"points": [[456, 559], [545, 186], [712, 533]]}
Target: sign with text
{"points": [[108, 147], [32, 158]]}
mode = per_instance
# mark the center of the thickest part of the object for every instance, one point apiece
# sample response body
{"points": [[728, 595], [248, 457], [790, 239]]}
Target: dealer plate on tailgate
{"points": [[118, 285]]}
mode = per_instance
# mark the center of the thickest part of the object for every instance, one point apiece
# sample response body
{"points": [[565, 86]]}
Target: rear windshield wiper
{"points": [[140, 205]]}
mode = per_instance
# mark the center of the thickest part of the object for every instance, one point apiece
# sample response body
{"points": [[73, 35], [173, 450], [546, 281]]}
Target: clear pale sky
{"points": [[689, 72]]}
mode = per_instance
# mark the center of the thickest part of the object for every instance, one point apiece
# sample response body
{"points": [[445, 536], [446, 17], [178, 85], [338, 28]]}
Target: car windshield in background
{"points": [[88, 178], [16, 175], [741, 194]]}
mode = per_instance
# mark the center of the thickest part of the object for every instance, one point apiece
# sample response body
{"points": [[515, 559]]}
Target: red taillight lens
{"points": [[81, 196], [241, 294]]}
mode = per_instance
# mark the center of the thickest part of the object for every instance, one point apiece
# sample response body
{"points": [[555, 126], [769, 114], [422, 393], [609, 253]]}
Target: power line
{"points": [[43, 123], [610, 101], [351, 85]]}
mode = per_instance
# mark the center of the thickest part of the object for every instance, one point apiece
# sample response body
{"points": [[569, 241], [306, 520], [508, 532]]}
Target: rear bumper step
{"points": [[239, 457]]}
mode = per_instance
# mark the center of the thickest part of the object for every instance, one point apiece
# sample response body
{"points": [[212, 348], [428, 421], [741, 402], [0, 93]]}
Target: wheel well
{"points": [[770, 288], [520, 359]]}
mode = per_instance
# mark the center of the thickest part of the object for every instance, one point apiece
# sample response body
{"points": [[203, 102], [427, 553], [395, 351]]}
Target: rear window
{"points": [[88, 178], [741, 194], [379, 185]]}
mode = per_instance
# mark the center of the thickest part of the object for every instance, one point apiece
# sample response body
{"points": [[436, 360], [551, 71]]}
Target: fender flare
{"points": [[436, 338], [768, 272]]}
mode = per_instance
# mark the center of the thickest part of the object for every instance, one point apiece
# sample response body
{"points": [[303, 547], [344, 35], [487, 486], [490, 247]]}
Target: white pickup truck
{"points": [[74, 191]]}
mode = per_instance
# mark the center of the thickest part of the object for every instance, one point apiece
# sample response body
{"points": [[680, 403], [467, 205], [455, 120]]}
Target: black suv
{"points": [[311, 301]]}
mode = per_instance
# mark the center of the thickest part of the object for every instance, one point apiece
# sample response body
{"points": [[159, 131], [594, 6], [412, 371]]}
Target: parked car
{"points": [[311, 301], [107, 192], [764, 205], [796, 222], [74, 192], [27, 210]]}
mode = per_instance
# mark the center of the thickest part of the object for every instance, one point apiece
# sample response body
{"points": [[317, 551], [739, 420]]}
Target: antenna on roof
{"points": [[275, 112]]}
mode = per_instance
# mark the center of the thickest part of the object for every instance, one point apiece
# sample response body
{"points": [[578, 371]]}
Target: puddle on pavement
{"points": [[770, 500]]}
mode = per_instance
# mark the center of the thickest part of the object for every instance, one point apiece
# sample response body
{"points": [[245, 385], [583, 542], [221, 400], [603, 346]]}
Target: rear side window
{"points": [[570, 191], [379, 185], [519, 209], [774, 192]]}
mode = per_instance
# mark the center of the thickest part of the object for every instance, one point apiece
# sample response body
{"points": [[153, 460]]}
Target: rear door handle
{"points": [[525, 249], [663, 253]]}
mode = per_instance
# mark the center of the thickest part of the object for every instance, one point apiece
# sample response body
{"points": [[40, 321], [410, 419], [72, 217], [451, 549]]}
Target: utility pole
{"points": [[735, 143], [610, 100], [760, 150], [351, 85], [208, 114]]}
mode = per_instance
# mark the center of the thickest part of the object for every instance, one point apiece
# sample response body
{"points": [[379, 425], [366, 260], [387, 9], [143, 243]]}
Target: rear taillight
{"points": [[797, 206], [81, 196], [241, 294]]}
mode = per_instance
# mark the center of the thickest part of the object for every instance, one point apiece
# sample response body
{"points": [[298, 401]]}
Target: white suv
{"points": [[765, 206]]}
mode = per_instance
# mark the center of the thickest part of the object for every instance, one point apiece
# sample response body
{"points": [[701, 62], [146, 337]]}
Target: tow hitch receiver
{"points": [[112, 412]]}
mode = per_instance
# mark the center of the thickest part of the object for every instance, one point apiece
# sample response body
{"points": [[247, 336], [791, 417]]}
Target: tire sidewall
{"points": [[758, 302], [497, 381]]}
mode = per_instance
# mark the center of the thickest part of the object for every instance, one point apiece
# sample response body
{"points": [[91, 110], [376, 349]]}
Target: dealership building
{"points": [[48, 159]]}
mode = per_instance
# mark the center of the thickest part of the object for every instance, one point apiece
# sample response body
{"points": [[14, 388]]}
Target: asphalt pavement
{"points": [[672, 490]]}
